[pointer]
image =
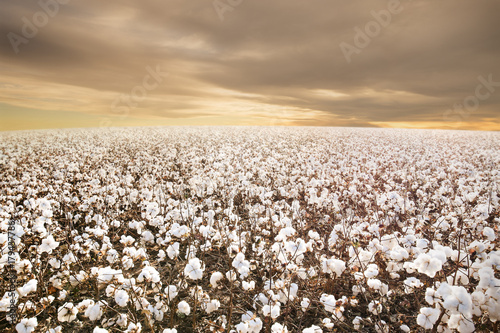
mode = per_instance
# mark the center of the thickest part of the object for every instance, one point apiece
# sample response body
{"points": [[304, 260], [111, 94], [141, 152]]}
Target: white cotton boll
{"points": [[148, 237], [241, 265], [99, 330], [67, 312], [404, 328], [313, 235], [27, 325], [278, 328], [231, 276], [248, 285], [329, 302], [169, 330], [194, 269], [271, 310], [327, 322], [333, 266], [411, 283], [54, 263], [305, 304], [173, 250], [489, 233], [371, 271], [171, 292], [121, 298], [430, 296], [427, 265], [94, 312], [184, 308], [312, 329], [461, 324], [29, 287], [62, 295], [48, 244], [149, 274], [216, 276], [375, 307], [127, 240], [212, 306], [427, 317], [398, 253], [374, 283]]}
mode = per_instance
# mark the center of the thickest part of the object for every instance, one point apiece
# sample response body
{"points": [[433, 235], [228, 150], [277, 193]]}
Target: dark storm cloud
{"points": [[283, 54]]}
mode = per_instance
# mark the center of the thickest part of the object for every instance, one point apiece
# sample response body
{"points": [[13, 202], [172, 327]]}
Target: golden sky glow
{"points": [[284, 62]]}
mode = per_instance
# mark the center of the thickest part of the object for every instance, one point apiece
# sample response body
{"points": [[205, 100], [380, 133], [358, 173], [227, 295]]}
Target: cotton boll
{"points": [[173, 250], [333, 266], [171, 292], [170, 330], [29, 287], [312, 329], [121, 298], [371, 271], [375, 307], [27, 325], [184, 308], [427, 317], [94, 312], [305, 303], [99, 330], [489, 233], [212, 306], [216, 276], [248, 285], [427, 265], [67, 312], [278, 328]]}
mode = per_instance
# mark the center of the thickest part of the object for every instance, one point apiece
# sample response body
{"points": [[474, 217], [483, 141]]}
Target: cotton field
{"points": [[249, 229]]}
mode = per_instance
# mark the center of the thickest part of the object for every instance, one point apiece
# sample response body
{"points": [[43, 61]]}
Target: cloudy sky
{"points": [[422, 64]]}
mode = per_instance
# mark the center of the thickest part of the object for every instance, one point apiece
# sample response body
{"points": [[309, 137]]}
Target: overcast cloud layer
{"points": [[253, 62]]}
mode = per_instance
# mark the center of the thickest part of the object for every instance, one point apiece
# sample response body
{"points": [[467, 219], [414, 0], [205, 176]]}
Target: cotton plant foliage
{"points": [[250, 229]]}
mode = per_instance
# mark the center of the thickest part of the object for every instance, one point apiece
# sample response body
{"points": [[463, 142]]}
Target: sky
{"points": [[406, 64]]}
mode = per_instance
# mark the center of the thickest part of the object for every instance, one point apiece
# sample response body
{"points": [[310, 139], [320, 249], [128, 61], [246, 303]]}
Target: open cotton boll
{"points": [[248, 285], [29, 287], [489, 233], [27, 325], [212, 306], [461, 324], [427, 265], [169, 330], [184, 308], [427, 317], [278, 328], [333, 266], [371, 271], [67, 312], [99, 330], [121, 298], [173, 250], [312, 329], [241, 265], [216, 276], [194, 269], [149, 274], [48, 244], [171, 292], [94, 312], [272, 310]]}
